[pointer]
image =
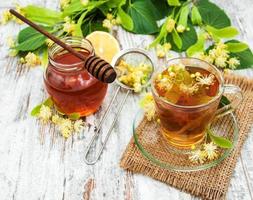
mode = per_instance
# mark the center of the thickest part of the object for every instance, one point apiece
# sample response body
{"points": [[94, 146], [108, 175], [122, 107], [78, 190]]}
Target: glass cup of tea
{"points": [[187, 93]]}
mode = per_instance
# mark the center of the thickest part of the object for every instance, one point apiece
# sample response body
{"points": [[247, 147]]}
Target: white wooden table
{"points": [[56, 170]]}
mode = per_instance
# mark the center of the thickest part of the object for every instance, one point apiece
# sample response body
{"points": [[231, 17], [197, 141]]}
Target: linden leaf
{"points": [[197, 47], [36, 110], [219, 141], [74, 116], [224, 101], [227, 32], [48, 102], [236, 47], [126, 20]]}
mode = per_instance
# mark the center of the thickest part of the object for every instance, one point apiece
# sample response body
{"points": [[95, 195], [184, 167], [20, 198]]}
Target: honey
{"points": [[72, 88]]}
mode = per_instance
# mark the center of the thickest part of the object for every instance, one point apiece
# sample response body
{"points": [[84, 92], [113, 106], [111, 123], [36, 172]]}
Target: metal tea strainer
{"points": [[134, 57]]}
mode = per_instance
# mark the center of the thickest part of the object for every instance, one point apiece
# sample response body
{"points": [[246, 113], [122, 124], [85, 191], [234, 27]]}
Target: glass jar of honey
{"points": [[72, 88]]}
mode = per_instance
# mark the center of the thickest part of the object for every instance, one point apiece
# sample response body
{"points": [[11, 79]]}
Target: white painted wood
{"points": [[55, 171]]}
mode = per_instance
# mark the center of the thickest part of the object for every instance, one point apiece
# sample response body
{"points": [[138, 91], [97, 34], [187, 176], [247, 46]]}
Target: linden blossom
{"points": [[177, 74]]}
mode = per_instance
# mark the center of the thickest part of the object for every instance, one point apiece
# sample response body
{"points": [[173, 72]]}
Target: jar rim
{"points": [[54, 48]]}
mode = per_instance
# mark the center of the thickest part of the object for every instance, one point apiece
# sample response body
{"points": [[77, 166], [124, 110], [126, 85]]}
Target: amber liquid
{"points": [[185, 127], [75, 91]]}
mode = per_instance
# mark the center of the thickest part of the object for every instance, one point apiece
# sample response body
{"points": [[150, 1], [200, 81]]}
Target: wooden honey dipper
{"points": [[96, 66]]}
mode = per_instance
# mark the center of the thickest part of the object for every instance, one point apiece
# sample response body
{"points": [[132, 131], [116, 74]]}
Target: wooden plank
{"points": [[29, 170]]}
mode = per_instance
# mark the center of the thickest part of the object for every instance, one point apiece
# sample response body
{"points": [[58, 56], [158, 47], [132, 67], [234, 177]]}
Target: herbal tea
{"points": [[176, 88]]}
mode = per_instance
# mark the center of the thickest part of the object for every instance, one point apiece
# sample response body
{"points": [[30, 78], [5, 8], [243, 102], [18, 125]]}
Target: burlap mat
{"points": [[208, 184]]}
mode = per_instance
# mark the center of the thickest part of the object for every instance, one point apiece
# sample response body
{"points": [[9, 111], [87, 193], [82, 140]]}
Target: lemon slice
{"points": [[105, 45]]}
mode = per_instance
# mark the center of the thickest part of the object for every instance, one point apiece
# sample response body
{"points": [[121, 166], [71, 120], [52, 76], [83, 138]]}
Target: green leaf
{"points": [[74, 116], [212, 15], [32, 43], [245, 57], [174, 2], [219, 141], [197, 47], [30, 32], [36, 110], [42, 15], [195, 16], [142, 15], [162, 34], [48, 102], [188, 39], [227, 32], [183, 18], [224, 101], [115, 3], [44, 60], [161, 9], [236, 47], [176, 39], [126, 20]]}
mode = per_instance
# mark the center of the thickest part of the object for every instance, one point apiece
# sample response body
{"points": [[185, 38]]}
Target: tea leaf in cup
{"points": [[219, 141]]}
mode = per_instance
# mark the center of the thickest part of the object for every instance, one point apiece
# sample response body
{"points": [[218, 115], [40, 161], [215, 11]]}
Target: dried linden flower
{"points": [[210, 151], [205, 80], [148, 105], [189, 89], [11, 42], [198, 156], [6, 16], [66, 127], [233, 63], [78, 125], [133, 76], [45, 114], [69, 25], [32, 59]]}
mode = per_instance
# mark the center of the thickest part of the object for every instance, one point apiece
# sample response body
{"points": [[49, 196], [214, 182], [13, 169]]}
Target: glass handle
{"points": [[235, 102]]}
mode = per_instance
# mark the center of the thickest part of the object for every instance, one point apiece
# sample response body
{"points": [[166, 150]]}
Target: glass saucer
{"points": [[152, 145]]}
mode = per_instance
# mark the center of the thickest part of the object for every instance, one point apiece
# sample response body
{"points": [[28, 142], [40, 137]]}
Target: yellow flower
{"points": [[45, 114], [189, 89], [109, 16], [205, 80], [180, 28], [148, 105], [56, 119], [32, 59], [11, 42], [233, 63], [78, 125], [210, 151], [66, 127], [170, 25], [107, 24], [166, 46], [69, 25], [160, 51], [220, 61], [6, 16], [64, 3], [19, 10], [84, 2], [197, 156]]}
